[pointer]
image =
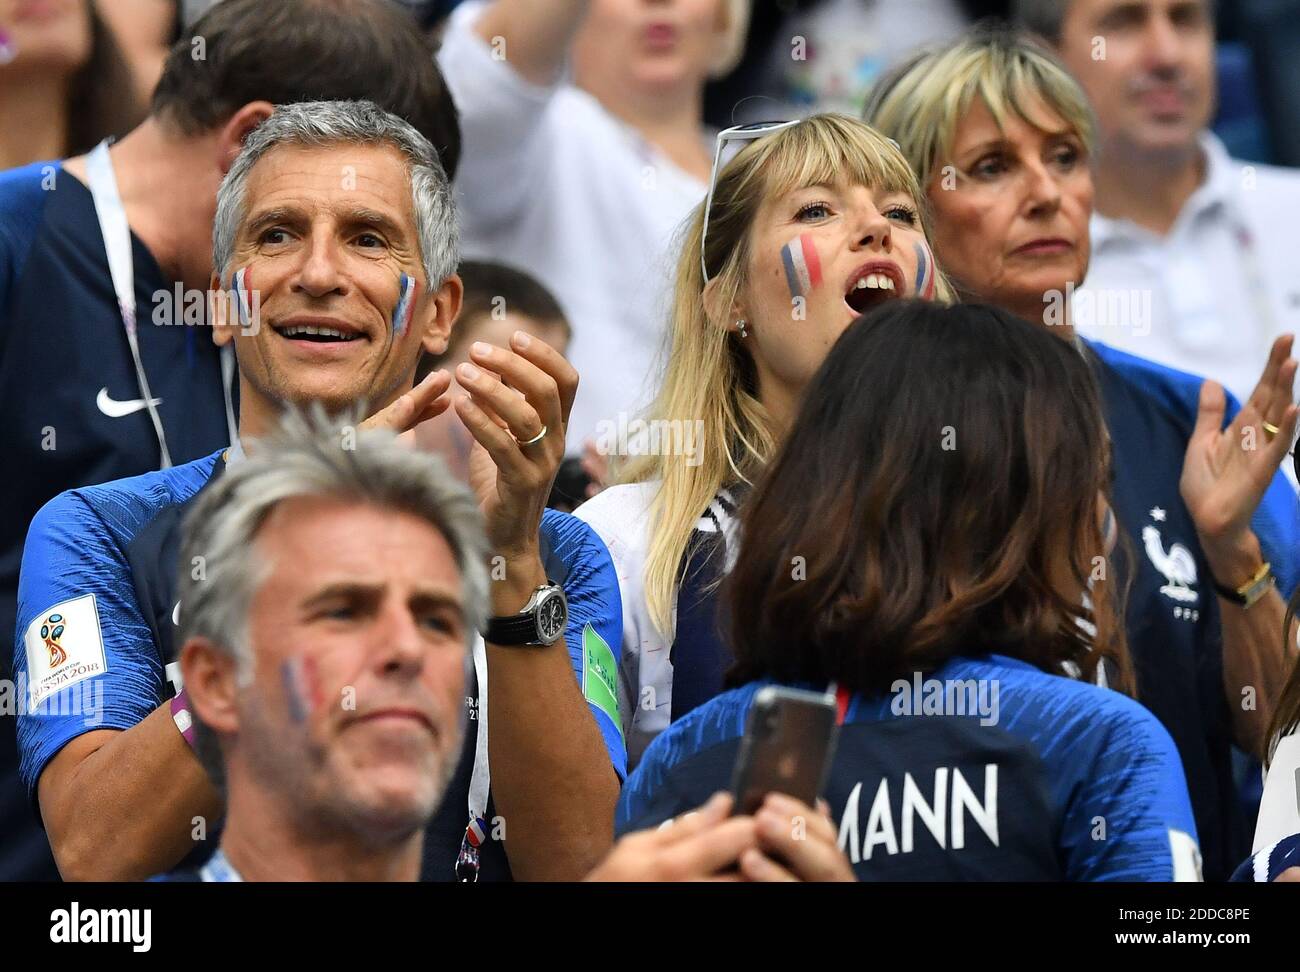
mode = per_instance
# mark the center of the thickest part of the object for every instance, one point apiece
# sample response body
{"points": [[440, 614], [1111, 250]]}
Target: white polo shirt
{"points": [[552, 183], [1212, 295]]}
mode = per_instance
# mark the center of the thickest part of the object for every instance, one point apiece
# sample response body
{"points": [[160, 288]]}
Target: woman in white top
{"points": [[583, 179], [1279, 808], [811, 224]]}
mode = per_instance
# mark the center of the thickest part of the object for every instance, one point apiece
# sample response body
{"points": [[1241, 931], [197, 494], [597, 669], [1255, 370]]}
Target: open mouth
{"points": [[317, 335], [869, 290]]}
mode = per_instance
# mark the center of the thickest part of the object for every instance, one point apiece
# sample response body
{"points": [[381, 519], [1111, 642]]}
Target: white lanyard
{"points": [[116, 231], [480, 781]]}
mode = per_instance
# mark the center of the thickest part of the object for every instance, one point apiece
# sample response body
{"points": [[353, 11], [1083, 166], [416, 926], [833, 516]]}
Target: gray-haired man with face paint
{"points": [[335, 247]]}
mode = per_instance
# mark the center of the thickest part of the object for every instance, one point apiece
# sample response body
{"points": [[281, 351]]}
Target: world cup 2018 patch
{"points": [[405, 308], [64, 646]]}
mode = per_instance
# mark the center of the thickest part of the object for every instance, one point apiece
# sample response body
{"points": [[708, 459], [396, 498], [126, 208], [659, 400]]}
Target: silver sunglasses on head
{"points": [[737, 133]]}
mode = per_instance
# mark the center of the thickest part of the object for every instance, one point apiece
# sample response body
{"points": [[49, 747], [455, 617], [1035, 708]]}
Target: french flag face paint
{"points": [[803, 268], [299, 677], [924, 271], [402, 313], [241, 287]]}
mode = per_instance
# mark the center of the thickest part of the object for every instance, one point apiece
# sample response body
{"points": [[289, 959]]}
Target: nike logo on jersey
{"points": [[117, 409]]}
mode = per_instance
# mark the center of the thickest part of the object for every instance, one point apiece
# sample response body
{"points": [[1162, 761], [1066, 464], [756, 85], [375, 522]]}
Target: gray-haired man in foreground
{"points": [[325, 652]]}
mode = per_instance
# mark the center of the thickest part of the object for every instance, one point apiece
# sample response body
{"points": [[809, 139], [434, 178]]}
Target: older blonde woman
{"points": [[1001, 136], [811, 224]]}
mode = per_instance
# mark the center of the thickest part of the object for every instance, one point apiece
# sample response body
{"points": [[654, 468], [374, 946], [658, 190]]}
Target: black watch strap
{"points": [[540, 622], [515, 629]]}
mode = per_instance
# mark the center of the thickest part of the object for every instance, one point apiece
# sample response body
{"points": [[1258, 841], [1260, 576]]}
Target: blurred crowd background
{"points": [[91, 71]]}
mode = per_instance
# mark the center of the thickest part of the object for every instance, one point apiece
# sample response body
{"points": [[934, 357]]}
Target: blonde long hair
{"points": [[709, 377]]}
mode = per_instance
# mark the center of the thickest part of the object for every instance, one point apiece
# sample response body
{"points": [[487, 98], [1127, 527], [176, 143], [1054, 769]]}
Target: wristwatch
{"points": [[540, 623], [1248, 593]]}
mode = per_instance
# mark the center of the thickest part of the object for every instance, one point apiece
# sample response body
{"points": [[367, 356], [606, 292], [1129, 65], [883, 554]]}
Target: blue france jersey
{"points": [[1049, 779], [1173, 621], [71, 403], [97, 611], [1277, 518]]}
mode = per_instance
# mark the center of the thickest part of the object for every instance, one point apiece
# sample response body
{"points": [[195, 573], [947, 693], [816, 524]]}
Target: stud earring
{"points": [[740, 326]]}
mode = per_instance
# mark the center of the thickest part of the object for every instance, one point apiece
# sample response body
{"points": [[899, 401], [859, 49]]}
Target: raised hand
{"points": [[514, 395], [423, 402], [1226, 471]]}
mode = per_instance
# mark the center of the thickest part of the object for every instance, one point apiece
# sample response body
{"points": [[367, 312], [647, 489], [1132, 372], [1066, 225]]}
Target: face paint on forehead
{"points": [[803, 268], [241, 285], [924, 271], [298, 676], [405, 308]]}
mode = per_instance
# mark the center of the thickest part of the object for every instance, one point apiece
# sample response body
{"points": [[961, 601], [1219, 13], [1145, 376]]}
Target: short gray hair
{"points": [[321, 123], [311, 455]]}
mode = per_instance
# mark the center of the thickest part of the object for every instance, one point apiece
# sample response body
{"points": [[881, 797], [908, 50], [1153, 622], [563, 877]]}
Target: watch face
{"points": [[552, 615]]}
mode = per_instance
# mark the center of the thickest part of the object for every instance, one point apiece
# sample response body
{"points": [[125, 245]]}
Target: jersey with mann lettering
{"points": [[72, 405], [97, 615], [986, 770]]}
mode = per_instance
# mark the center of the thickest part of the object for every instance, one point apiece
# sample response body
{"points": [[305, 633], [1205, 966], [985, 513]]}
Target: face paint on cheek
{"points": [[924, 271], [241, 285], [803, 268], [405, 308], [8, 50], [298, 675]]}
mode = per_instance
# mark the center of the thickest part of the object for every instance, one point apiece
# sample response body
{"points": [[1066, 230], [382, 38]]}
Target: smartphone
{"points": [[788, 747]]}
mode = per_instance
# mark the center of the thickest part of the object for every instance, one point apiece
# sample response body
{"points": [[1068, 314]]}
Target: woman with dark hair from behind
{"points": [[932, 542], [64, 84]]}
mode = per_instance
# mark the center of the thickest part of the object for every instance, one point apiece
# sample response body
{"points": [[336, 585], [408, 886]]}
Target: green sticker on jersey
{"points": [[600, 675]]}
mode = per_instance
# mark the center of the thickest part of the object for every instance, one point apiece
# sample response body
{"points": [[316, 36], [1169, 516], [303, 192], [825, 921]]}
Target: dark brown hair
{"points": [[101, 94], [308, 50], [936, 492]]}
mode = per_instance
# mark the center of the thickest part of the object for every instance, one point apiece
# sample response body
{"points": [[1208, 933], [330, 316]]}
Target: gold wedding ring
{"points": [[538, 438], [1270, 428]]}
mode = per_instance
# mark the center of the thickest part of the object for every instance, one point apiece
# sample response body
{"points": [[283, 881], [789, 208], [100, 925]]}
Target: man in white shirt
{"points": [[585, 183], [1193, 252]]}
